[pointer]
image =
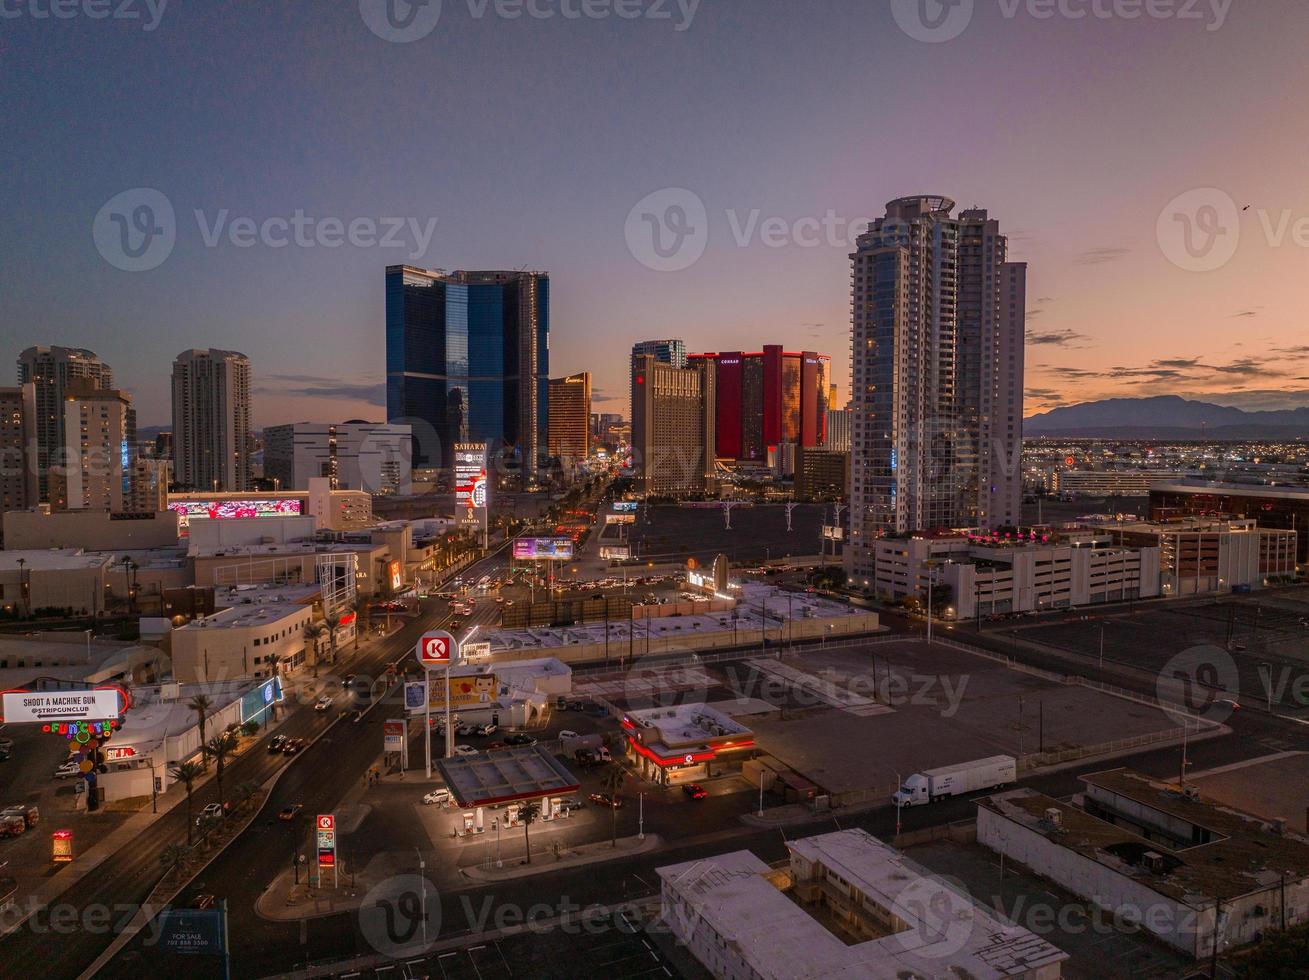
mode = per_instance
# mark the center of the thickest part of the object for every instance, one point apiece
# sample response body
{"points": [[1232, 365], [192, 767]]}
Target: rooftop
{"points": [[245, 616], [522, 772], [687, 723], [1233, 489], [52, 559]]}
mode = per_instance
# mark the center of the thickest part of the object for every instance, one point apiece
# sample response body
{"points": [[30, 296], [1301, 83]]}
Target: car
{"points": [[68, 769], [7, 744], [572, 803], [602, 754], [519, 738], [203, 902], [568, 733], [494, 745], [465, 728], [561, 704], [462, 749], [277, 743], [585, 758], [1229, 703], [323, 703], [210, 811], [292, 746], [438, 797], [577, 706], [289, 812], [604, 799], [695, 791], [487, 729]]}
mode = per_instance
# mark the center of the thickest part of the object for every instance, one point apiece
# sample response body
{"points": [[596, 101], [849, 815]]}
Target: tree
{"points": [[1281, 955], [219, 748], [188, 773], [174, 857], [333, 623], [201, 704], [363, 617], [250, 728], [245, 792], [613, 782], [312, 632], [527, 813]]}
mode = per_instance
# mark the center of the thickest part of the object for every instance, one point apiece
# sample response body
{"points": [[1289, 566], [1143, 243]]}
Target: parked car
{"points": [[573, 803], [577, 706], [466, 728], [67, 769], [604, 799], [695, 791], [462, 749], [292, 746], [323, 703], [586, 758], [7, 744], [519, 738], [487, 729], [568, 733], [438, 797], [278, 742], [289, 812], [602, 754], [561, 704], [210, 810], [494, 745]]}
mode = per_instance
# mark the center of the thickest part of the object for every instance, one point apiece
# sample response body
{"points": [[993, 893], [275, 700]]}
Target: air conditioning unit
{"points": [[1054, 816], [1153, 862]]}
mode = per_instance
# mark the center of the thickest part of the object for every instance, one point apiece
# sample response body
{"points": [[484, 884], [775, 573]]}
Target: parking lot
{"points": [[1265, 635], [758, 532]]}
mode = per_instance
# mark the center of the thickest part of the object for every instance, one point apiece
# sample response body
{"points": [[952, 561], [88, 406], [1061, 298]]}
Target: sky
{"points": [[1118, 153]]}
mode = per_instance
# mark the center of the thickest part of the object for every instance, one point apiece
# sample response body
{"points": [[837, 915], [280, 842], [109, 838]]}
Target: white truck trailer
{"points": [[966, 777]]}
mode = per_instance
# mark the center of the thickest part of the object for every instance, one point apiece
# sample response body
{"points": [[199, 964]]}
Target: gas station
{"points": [[680, 744]]}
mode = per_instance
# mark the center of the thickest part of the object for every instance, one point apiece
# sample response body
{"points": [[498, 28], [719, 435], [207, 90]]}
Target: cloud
{"points": [[1099, 256], [603, 395], [1056, 338], [319, 386], [1047, 395], [1243, 313]]}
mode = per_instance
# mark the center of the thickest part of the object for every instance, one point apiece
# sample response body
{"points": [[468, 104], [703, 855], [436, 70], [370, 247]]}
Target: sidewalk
{"points": [[569, 857]]}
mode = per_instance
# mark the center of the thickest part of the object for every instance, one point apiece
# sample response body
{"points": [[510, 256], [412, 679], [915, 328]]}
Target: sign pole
{"points": [[449, 729], [427, 709]]}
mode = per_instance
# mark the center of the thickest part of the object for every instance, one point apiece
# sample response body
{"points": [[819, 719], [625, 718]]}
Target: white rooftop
{"points": [[52, 559], [241, 617], [681, 724]]}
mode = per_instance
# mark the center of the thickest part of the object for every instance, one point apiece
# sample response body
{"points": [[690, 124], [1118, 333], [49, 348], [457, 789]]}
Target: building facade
{"points": [[355, 455], [51, 370], [673, 428], [468, 360], [211, 420], [99, 453], [19, 487], [767, 398], [937, 339], [838, 430], [1284, 508], [1199, 555], [821, 474], [570, 417]]}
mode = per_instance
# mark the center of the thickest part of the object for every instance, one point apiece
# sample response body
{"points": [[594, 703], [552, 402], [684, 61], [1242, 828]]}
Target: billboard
{"points": [[472, 653], [192, 932], [393, 735], [396, 574], [254, 703], [620, 518], [625, 506], [226, 510], [468, 691], [550, 549], [614, 552], [98, 705], [472, 489]]}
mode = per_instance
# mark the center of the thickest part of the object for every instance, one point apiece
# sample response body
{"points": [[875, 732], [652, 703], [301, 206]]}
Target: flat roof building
{"points": [[1284, 508]]}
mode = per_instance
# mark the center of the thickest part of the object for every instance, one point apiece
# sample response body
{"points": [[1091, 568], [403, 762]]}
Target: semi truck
{"points": [[966, 777]]}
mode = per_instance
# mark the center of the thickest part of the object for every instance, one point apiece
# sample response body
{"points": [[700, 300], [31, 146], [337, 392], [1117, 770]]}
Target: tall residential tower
{"points": [[51, 371], [211, 420]]}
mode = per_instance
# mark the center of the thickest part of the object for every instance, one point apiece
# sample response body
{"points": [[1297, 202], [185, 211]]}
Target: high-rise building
{"points": [[663, 351], [211, 420], [468, 360], [838, 430], [768, 398], [673, 428], [937, 374], [18, 453], [51, 370], [570, 417], [371, 456], [99, 451]]}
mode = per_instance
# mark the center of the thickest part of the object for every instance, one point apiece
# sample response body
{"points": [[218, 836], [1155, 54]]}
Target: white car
{"points": [[68, 769], [210, 811], [465, 750], [568, 733], [323, 703], [438, 796]]}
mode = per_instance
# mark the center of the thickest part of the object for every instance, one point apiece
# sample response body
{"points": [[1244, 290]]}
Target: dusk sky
{"points": [[530, 140]]}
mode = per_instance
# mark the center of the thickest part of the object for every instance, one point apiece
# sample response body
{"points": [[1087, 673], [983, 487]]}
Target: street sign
{"points": [[393, 735], [436, 648], [475, 652], [326, 825]]}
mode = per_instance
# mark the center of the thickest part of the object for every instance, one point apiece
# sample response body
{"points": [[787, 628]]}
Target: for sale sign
{"points": [[436, 648]]}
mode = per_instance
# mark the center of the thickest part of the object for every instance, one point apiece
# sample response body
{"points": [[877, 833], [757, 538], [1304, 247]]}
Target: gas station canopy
{"points": [[523, 772]]}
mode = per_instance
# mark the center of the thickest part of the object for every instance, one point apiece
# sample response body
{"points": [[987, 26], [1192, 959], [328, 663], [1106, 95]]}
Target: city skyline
{"points": [[1111, 312]]}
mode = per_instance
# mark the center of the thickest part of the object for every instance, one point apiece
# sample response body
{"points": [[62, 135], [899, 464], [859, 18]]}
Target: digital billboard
{"points": [[226, 510], [472, 489], [615, 552], [620, 518], [549, 549], [625, 506], [255, 702]]}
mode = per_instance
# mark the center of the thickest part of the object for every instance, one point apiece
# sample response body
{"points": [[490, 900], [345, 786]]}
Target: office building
{"points": [[211, 420], [937, 374], [821, 474], [99, 453], [468, 360], [673, 428], [355, 455], [19, 488], [767, 398], [1284, 508], [844, 905], [51, 370], [1109, 483], [838, 430], [1212, 554], [663, 351], [570, 417]]}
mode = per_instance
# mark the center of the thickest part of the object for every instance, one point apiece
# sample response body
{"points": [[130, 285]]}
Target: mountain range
{"points": [[1166, 417]]}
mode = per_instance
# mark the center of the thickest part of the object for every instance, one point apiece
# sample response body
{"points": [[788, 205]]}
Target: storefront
{"points": [[685, 744]]}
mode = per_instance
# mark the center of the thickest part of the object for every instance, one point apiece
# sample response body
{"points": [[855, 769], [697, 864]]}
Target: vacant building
{"points": [[19, 487], [355, 455]]}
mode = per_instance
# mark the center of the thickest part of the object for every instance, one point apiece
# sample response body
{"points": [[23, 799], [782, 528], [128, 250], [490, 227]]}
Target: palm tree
{"points": [[363, 617], [220, 747], [188, 773], [613, 782], [527, 813], [201, 704], [312, 632], [245, 792], [174, 857], [333, 623]]}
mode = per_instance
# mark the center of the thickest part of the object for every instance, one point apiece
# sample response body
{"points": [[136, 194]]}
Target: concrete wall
{"points": [[89, 529]]}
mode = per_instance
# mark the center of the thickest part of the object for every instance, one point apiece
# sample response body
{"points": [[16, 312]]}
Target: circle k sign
{"points": [[436, 648]]}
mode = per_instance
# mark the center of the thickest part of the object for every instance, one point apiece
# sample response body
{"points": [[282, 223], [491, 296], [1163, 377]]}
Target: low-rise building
{"points": [[93, 530], [1200, 876], [263, 636], [681, 743], [1199, 555], [1278, 507], [62, 578], [846, 907], [1109, 483]]}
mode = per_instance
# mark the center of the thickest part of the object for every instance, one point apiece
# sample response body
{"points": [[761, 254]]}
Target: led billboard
{"points": [[225, 510], [472, 490], [625, 506], [549, 549]]}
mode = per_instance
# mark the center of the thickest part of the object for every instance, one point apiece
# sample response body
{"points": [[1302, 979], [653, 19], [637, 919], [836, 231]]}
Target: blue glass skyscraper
{"points": [[468, 360]]}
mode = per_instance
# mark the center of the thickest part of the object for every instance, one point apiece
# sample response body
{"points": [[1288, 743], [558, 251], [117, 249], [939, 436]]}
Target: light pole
{"points": [[495, 822], [1268, 682], [761, 791], [898, 804], [1102, 646], [641, 817], [422, 893]]}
